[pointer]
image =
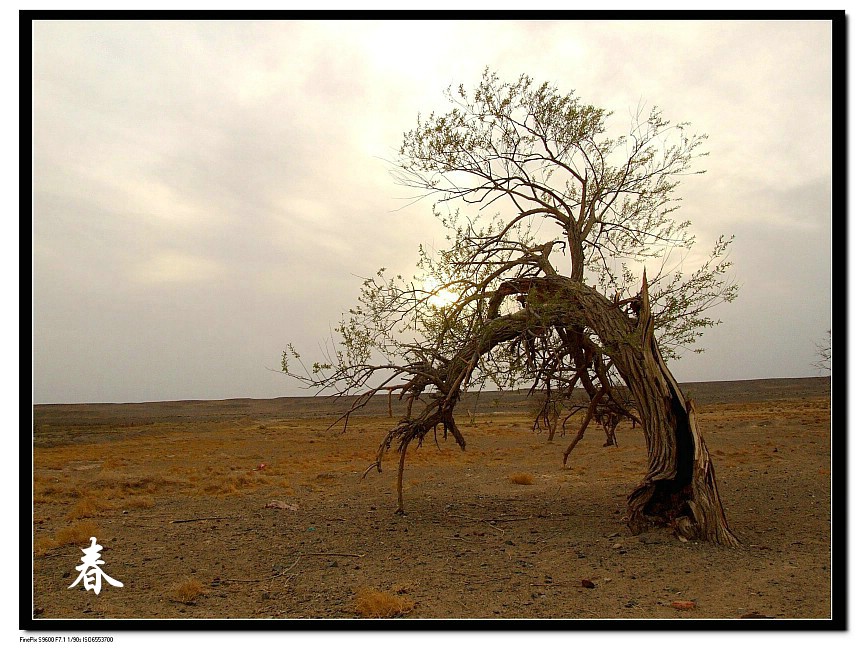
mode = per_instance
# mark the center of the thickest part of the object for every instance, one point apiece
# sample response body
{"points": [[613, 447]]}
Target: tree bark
{"points": [[679, 489]]}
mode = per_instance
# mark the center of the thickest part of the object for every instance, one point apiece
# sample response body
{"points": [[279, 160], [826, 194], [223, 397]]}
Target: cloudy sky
{"points": [[206, 192]]}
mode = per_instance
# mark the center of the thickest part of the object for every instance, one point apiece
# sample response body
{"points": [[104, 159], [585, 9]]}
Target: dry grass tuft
{"points": [[372, 603], [522, 478], [222, 484], [59, 491], [188, 591], [139, 502], [128, 483], [78, 533], [114, 463], [87, 507], [44, 544], [39, 497]]}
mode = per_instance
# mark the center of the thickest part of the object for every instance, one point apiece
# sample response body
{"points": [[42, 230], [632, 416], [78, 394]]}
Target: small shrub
{"points": [[231, 484], [114, 463], [40, 497], [87, 507], [139, 502], [188, 591], [126, 483], [372, 603], [61, 491], [42, 545], [78, 533], [521, 478]]}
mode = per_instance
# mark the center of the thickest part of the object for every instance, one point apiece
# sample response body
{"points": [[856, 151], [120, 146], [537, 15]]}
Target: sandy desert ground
{"points": [[252, 509]]}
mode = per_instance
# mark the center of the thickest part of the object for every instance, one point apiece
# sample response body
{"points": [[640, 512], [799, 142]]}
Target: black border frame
{"points": [[840, 257]]}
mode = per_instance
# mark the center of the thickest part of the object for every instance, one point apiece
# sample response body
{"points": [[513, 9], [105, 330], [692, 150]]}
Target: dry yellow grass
{"points": [[114, 463], [139, 502], [188, 591], [221, 460], [522, 478], [372, 603], [233, 483], [78, 533], [127, 483], [44, 544], [57, 491], [87, 506]]}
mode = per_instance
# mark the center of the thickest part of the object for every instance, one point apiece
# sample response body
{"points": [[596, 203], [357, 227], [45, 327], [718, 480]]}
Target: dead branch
{"points": [[589, 413]]}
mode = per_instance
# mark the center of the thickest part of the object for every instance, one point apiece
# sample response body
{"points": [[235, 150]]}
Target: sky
{"points": [[206, 192]]}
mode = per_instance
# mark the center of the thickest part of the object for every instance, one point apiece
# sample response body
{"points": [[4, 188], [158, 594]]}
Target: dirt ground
{"points": [[251, 509]]}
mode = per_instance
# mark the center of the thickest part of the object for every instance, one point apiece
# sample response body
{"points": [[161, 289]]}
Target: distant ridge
{"points": [[713, 392]]}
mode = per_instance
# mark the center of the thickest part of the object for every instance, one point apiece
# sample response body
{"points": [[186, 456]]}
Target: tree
{"points": [[539, 287], [824, 354]]}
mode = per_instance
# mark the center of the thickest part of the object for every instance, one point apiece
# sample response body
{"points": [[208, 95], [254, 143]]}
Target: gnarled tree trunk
{"points": [[679, 489]]}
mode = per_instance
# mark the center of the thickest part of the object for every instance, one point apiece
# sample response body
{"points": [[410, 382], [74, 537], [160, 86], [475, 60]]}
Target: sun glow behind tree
{"points": [[440, 297]]}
